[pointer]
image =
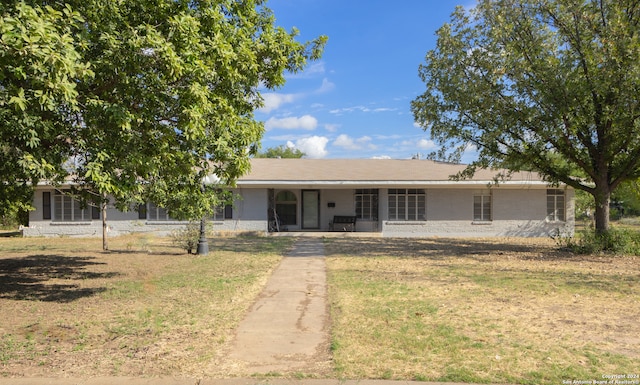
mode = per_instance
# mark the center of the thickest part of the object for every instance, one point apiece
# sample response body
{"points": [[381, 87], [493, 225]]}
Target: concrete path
{"points": [[285, 332], [287, 329]]}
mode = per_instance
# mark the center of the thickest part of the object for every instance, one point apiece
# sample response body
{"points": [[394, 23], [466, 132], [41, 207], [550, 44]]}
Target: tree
{"points": [[172, 97], [281, 151], [39, 70], [545, 85], [627, 198]]}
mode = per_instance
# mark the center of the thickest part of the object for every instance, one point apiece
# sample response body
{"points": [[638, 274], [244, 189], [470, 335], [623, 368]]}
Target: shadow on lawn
{"points": [[25, 278], [482, 250]]}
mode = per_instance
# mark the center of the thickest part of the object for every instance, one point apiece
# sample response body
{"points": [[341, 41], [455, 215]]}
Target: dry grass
{"points": [[508, 310], [144, 309]]}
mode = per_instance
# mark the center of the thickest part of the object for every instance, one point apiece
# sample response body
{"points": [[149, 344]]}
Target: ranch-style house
{"points": [[386, 197]]}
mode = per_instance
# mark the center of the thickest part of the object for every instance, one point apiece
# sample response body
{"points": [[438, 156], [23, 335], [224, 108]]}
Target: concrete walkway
{"points": [[285, 332], [287, 329]]}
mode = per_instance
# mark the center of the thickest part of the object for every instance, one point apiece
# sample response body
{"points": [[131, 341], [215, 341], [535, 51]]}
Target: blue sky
{"points": [[355, 101]]}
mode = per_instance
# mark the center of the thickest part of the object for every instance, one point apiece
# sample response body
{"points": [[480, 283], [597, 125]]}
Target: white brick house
{"points": [[395, 198]]}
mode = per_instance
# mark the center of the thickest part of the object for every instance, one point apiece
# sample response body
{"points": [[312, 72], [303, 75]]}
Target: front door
{"points": [[310, 209]]}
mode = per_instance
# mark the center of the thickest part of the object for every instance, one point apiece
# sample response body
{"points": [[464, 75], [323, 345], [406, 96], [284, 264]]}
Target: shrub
{"points": [[187, 237], [588, 241]]}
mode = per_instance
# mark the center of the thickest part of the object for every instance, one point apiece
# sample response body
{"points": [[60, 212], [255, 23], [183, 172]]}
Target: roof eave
{"points": [[437, 183]]}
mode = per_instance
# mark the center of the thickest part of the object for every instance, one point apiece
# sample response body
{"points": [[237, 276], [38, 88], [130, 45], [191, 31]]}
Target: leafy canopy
{"points": [[544, 85], [140, 99], [39, 71]]}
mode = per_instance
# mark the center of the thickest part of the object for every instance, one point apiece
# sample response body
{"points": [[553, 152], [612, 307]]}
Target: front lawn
{"points": [[487, 311]]}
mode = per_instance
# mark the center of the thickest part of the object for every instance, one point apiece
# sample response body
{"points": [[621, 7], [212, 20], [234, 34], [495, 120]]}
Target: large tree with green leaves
{"points": [[546, 85], [171, 100], [39, 70]]}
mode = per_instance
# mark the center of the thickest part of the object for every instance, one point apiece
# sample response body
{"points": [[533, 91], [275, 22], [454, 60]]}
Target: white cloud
{"points": [[425, 144], [422, 144], [305, 122], [387, 137], [273, 101], [326, 86], [313, 147], [384, 109], [349, 109], [381, 157], [348, 143], [331, 127], [309, 72], [340, 111]]}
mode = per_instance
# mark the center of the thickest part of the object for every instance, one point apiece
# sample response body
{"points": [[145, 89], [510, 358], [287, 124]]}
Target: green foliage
{"points": [[177, 83], [584, 205], [543, 85], [281, 151], [627, 198], [588, 241], [39, 71], [139, 99], [14, 204]]}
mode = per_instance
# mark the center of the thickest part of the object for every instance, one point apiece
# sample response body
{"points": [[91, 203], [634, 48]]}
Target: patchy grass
{"points": [[485, 311], [472, 310], [143, 309]]}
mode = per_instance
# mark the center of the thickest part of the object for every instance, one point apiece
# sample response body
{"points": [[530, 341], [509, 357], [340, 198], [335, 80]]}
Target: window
{"points": [[407, 205], [482, 208], [222, 213], [367, 204], [156, 213], [555, 205], [286, 207], [68, 209]]}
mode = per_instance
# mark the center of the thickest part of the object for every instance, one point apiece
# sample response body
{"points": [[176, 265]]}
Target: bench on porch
{"points": [[343, 223]]}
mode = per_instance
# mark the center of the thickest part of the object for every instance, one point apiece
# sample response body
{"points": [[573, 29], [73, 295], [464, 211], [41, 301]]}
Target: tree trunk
{"points": [[602, 199], [105, 242]]}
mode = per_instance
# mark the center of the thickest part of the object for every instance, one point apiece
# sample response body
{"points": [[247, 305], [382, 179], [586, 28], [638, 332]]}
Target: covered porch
{"points": [[323, 210]]}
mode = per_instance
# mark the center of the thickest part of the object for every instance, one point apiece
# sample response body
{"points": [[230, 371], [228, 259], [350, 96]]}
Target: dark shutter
{"points": [[228, 212], [46, 205], [142, 211], [95, 212]]}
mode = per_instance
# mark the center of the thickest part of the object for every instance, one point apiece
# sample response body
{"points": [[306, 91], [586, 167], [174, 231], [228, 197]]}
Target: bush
{"points": [[617, 241], [187, 237]]}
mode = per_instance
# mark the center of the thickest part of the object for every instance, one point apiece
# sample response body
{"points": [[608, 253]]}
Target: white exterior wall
{"points": [[249, 215], [250, 212], [515, 212], [449, 213], [344, 205]]}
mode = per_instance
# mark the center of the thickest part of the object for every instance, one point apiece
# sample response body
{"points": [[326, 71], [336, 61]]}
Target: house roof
{"points": [[369, 172]]}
